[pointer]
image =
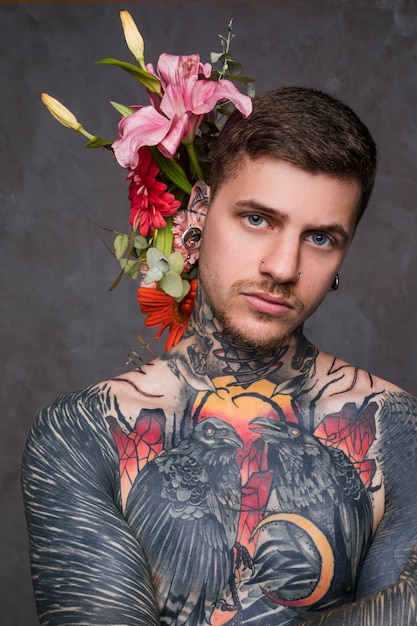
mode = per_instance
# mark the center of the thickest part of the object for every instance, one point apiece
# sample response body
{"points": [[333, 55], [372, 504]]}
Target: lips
{"points": [[268, 303]]}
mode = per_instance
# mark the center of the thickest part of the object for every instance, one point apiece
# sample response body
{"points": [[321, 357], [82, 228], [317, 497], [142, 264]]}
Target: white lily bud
{"points": [[61, 113], [133, 37]]}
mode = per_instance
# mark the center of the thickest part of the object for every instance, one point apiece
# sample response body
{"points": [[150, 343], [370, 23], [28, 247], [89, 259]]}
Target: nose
{"points": [[281, 260]]}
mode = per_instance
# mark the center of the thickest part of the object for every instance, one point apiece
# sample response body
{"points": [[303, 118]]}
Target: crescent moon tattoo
{"points": [[323, 548]]}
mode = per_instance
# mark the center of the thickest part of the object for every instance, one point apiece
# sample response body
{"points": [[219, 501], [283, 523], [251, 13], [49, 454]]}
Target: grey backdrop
{"points": [[61, 327]]}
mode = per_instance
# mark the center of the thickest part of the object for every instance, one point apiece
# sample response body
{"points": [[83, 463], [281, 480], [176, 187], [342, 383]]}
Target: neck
{"points": [[215, 353]]}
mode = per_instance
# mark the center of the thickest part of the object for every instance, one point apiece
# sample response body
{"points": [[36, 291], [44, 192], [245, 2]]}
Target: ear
{"points": [[198, 203]]}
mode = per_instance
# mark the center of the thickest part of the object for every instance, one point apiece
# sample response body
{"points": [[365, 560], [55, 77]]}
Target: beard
{"points": [[272, 336]]}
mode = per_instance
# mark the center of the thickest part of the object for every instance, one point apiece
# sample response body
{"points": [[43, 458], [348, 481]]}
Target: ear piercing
{"points": [[191, 238]]}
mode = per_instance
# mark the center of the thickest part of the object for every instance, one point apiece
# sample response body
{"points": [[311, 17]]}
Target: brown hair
{"points": [[302, 126]]}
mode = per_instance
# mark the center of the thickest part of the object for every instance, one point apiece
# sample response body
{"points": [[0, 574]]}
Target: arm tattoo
{"points": [[88, 568]]}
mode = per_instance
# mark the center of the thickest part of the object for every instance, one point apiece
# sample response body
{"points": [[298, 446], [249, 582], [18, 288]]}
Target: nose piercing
{"points": [[299, 272]]}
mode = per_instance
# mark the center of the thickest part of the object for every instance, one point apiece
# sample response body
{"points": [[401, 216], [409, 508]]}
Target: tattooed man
{"points": [[246, 476]]}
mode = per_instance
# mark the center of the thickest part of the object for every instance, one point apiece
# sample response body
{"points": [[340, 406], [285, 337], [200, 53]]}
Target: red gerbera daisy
{"points": [[161, 309], [150, 200]]}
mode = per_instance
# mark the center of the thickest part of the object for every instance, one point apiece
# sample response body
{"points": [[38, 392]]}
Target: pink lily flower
{"points": [[174, 119]]}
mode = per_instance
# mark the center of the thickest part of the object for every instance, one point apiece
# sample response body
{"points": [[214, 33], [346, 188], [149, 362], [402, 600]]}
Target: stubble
{"points": [[277, 331]]}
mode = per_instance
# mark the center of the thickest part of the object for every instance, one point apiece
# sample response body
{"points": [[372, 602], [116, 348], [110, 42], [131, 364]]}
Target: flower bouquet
{"points": [[166, 148]]}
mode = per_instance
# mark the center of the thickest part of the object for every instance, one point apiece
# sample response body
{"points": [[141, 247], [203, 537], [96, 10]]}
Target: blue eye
{"points": [[255, 220], [320, 240]]}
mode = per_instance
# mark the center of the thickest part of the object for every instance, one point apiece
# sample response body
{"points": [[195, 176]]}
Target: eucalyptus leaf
{"points": [[149, 81], [128, 263], [185, 289], [153, 275], [250, 90], [131, 267], [176, 262], [215, 56], [234, 67], [171, 283], [153, 255], [163, 265], [239, 79], [134, 273], [120, 245], [140, 242], [225, 56]]}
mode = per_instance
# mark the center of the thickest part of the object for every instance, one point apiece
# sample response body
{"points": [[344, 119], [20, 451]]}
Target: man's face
{"points": [[266, 224]]}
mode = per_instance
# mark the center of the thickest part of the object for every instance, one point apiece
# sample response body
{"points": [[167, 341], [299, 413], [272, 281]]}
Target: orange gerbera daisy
{"points": [[161, 309]]}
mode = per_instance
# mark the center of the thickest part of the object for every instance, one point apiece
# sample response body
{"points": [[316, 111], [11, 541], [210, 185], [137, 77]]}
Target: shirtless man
{"points": [[244, 477]]}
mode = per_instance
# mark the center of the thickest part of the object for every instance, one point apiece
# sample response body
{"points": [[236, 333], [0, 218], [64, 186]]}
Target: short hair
{"points": [[302, 126]]}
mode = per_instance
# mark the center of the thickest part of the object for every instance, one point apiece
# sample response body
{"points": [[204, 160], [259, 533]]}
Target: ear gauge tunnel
{"points": [[191, 238]]}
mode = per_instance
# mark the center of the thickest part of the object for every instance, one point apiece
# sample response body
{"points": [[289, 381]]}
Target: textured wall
{"points": [[62, 329]]}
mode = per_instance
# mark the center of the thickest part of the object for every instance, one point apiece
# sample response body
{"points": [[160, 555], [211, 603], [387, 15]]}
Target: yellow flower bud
{"points": [[133, 37], [61, 113]]}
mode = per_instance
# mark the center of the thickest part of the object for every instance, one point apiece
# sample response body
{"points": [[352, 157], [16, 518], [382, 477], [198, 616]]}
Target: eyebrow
{"points": [[276, 213]]}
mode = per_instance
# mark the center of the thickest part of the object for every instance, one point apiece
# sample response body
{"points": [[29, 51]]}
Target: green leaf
{"points": [[241, 79], [148, 80], [122, 109], [215, 56], [141, 339], [172, 170], [164, 237], [98, 142], [140, 243], [234, 67], [153, 275], [223, 56], [163, 265], [117, 280], [145, 344], [171, 283], [235, 78], [250, 90], [120, 245], [176, 262], [131, 267], [153, 255], [185, 289]]}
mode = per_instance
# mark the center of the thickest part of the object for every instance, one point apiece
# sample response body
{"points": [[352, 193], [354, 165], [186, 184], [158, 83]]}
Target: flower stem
{"points": [[82, 130], [142, 63], [194, 161]]}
